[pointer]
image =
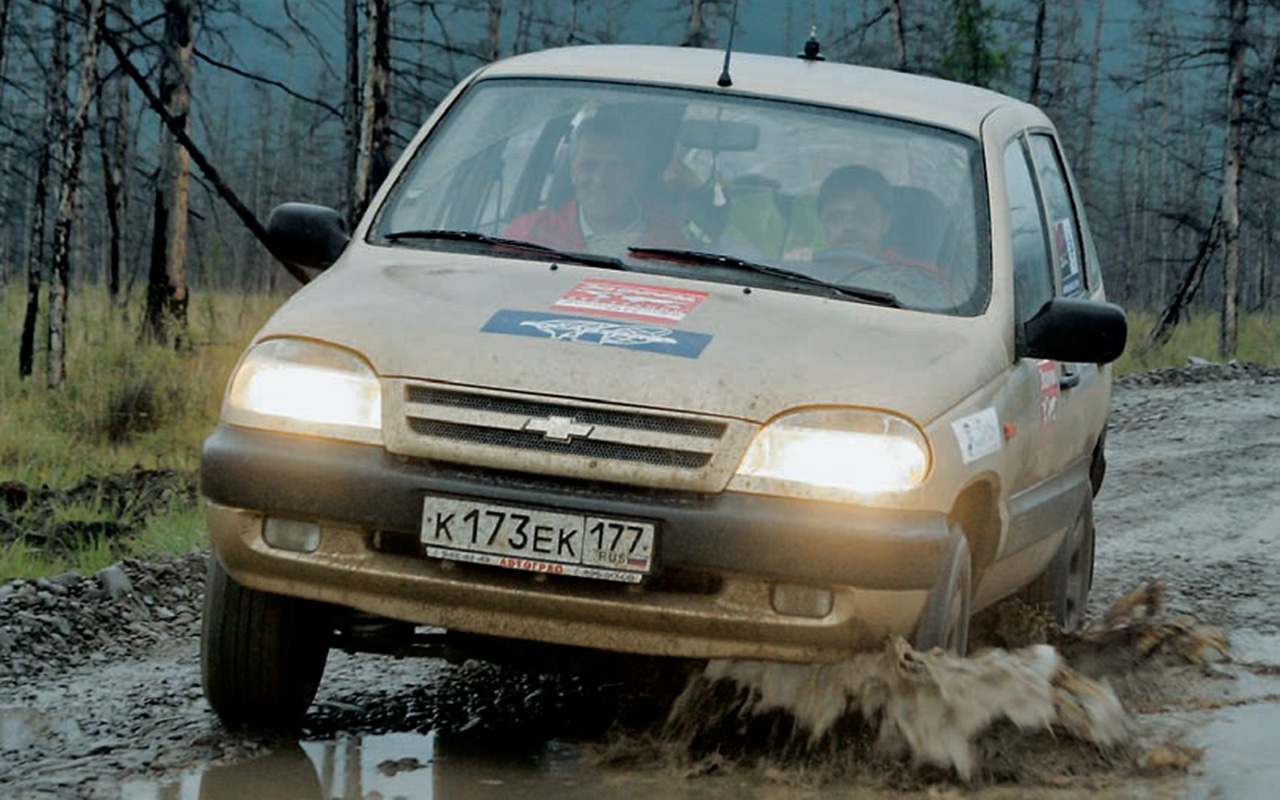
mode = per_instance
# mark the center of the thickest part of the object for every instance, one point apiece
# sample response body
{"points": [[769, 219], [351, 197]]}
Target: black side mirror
{"points": [[1086, 331], [305, 235]]}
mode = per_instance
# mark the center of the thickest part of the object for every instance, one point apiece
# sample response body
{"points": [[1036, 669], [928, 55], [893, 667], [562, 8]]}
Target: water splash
{"points": [[931, 707]]}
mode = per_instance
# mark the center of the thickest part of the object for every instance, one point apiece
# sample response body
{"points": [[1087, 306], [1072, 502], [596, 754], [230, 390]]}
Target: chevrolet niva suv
{"points": [[631, 357]]}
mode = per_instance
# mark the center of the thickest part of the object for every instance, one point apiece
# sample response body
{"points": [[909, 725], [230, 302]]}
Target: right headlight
{"points": [[306, 387], [839, 454]]}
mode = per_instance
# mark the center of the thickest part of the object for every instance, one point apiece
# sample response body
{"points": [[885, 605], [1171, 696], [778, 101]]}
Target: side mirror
{"points": [[1086, 331], [306, 235]]}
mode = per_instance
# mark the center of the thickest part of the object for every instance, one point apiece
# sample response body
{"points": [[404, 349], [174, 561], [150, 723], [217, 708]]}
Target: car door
{"points": [[1073, 409], [1045, 495]]}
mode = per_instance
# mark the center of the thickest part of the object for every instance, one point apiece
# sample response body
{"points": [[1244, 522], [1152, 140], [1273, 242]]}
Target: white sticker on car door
{"points": [[977, 434]]}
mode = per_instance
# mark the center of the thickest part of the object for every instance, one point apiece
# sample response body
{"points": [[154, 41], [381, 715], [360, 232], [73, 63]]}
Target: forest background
{"points": [[143, 141]]}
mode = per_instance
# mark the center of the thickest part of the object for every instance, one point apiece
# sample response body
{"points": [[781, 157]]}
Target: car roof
{"points": [[943, 103]]}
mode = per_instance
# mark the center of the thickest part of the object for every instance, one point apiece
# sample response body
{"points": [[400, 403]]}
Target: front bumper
{"points": [[719, 555]]}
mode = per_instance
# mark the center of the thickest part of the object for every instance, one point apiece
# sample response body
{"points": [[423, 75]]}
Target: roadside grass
{"points": [[125, 405], [1258, 341]]}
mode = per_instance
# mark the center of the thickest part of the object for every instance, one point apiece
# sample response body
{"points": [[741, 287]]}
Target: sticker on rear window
{"points": [[584, 330], [978, 434], [630, 300]]}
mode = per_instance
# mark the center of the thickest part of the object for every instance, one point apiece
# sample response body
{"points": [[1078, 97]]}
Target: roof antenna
{"points": [[725, 80], [812, 47]]}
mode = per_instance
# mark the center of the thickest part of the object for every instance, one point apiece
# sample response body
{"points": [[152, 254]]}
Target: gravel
{"points": [[52, 624]]}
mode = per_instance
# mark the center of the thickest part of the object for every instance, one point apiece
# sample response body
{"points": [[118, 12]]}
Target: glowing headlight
{"points": [[834, 454], [303, 387]]}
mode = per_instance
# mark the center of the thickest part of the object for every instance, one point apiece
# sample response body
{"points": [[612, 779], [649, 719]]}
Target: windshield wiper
{"points": [[441, 234], [717, 259]]}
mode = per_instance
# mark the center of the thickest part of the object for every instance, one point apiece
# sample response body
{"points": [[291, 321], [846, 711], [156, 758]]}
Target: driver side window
{"points": [[1032, 276]]}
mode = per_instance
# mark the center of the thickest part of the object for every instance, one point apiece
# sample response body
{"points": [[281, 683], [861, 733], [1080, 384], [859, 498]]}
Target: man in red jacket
{"points": [[607, 214]]}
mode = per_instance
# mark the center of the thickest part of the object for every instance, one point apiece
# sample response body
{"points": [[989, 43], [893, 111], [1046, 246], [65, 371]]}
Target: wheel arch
{"points": [[977, 511]]}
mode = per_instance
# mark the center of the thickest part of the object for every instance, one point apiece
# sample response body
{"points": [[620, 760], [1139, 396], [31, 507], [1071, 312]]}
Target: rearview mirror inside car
{"points": [[709, 134]]}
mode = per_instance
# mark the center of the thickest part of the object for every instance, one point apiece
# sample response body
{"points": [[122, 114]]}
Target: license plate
{"points": [[535, 540]]}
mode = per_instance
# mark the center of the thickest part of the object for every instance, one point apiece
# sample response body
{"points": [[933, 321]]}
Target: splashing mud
{"points": [[934, 710]]}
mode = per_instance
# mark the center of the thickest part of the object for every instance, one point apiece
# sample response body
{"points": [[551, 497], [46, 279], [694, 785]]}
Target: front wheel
{"points": [[261, 654]]}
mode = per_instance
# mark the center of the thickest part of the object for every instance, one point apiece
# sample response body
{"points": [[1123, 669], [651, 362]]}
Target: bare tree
{"points": [[1037, 54], [375, 135], [1232, 155], [54, 122], [60, 284], [352, 109], [166, 311]]}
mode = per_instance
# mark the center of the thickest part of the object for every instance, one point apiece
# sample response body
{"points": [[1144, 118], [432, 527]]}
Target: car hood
{"points": [[718, 349]]}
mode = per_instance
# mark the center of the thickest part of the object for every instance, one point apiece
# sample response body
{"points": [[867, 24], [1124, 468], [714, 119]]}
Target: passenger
{"points": [[853, 204], [606, 213], [855, 207]]}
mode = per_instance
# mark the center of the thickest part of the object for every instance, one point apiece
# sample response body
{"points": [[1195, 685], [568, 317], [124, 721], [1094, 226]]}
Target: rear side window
{"points": [[1032, 279], [1068, 255]]}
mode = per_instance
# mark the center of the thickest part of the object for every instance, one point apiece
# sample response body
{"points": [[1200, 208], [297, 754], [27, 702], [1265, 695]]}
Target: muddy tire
{"points": [[1063, 589], [261, 655], [945, 620]]}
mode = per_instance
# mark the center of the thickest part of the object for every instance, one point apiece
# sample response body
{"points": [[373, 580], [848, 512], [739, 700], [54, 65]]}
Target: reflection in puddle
{"points": [[392, 765]]}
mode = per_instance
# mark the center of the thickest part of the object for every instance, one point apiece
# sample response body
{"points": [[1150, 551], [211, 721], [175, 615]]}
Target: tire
{"points": [[1063, 588], [945, 620], [261, 654]]}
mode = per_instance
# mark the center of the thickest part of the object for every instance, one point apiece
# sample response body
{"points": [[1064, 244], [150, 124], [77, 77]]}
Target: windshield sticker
{"points": [[630, 301], [650, 338], [978, 435]]}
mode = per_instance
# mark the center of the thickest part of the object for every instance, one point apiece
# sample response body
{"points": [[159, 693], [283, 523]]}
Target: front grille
{"points": [[562, 437], [589, 416], [584, 448]]}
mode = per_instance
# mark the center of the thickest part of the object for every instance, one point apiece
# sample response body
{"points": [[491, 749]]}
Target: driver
{"points": [[853, 205], [606, 214]]}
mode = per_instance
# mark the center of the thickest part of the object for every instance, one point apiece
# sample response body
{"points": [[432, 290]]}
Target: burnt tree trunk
{"points": [[1037, 53], [697, 36], [113, 143], [1232, 156], [899, 34], [493, 39], [351, 111], [1091, 108], [60, 283], [54, 122], [375, 145], [166, 319]]}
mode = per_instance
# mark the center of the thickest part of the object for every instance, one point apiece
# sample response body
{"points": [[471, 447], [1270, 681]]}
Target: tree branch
{"points": [[228, 196]]}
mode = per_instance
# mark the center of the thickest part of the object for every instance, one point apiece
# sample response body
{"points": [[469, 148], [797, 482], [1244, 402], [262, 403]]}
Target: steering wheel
{"points": [[849, 262]]}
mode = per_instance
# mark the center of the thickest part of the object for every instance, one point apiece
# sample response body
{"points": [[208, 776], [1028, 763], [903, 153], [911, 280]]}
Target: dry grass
{"points": [[1259, 341], [125, 404]]}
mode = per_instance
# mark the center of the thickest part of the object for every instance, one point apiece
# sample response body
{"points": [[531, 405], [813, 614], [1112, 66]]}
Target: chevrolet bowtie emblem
{"points": [[558, 429]]}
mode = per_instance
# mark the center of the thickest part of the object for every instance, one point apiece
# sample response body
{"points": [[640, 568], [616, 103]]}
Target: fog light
{"points": [[291, 534], [801, 601]]}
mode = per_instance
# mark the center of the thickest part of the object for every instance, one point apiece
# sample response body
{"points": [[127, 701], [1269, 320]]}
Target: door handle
{"points": [[1069, 380]]}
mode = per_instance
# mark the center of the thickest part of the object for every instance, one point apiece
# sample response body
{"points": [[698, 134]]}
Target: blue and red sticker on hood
{"points": [[630, 301]]}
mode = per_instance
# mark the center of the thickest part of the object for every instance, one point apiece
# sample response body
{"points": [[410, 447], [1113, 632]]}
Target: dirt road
{"points": [[100, 698]]}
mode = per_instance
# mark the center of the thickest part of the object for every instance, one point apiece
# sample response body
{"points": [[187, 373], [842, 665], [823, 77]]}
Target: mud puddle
{"points": [[1157, 708]]}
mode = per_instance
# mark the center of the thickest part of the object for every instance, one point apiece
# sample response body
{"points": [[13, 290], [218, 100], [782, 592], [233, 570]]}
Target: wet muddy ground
{"points": [[100, 697]]}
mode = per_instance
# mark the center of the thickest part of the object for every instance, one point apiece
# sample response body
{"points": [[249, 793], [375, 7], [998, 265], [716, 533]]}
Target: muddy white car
{"points": [[631, 357]]}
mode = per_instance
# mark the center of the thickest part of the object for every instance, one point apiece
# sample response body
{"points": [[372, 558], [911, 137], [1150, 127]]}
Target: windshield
{"points": [[838, 197]]}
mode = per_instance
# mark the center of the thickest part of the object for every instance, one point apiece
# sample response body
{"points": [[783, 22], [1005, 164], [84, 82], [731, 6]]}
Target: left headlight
{"points": [[835, 454], [304, 387]]}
